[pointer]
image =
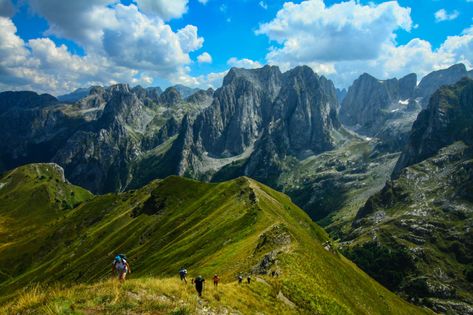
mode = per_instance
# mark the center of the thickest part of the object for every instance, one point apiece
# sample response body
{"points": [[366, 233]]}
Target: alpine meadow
{"points": [[236, 157]]}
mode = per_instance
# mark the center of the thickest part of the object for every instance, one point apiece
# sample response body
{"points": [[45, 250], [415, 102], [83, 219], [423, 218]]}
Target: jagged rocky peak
{"points": [[170, 97], [203, 97], [240, 109], [97, 90], [448, 118], [120, 88], [24, 99], [261, 113], [305, 112], [267, 77], [147, 94], [434, 80], [370, 101]]}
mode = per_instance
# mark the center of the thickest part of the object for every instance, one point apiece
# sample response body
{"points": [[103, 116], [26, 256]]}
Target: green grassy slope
{"points": [[226, 228]]}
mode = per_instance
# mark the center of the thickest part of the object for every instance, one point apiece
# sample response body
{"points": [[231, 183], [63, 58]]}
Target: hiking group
{"points": [[121, 267]]}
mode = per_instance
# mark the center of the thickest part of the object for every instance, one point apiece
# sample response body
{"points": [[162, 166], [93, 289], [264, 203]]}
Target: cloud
{"points": [[243, 63], [204, 58], [121, 44], [164, 8], [344, 40], [263, 4], [442, 15], [80, 21], [6, 8], [204, 2], [345, 31]]}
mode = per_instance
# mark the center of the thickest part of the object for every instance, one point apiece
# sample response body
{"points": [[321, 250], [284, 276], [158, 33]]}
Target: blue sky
{"points": [[56, 46]]}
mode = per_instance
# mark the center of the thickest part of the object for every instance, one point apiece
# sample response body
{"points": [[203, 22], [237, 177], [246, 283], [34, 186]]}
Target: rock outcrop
{"points": [[434, 80], [448, 118]]}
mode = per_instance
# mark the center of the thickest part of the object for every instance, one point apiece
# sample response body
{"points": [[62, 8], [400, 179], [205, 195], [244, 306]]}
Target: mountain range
{"points": [[382, 166]]}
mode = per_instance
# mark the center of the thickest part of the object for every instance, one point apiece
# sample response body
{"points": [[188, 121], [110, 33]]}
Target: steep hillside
{"points": [[419, 225], [226, 228]]}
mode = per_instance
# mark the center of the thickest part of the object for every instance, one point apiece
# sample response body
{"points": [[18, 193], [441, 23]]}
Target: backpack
{"points": [[120, 258]]}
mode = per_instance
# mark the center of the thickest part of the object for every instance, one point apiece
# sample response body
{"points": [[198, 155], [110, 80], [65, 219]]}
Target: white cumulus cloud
{"points": [[243, 63], [120, 43], [204, 58], [166, 9], [349, 30], [344, 40], [442, 15]]}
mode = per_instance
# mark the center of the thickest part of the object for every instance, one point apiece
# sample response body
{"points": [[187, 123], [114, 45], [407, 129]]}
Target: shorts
{"points": [[121, 273]]}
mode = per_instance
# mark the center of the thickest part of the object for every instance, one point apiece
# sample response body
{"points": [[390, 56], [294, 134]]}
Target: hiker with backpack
{"points": [[121, 267], [199, 285], [216, 279], [240, 278], [183, 274]]}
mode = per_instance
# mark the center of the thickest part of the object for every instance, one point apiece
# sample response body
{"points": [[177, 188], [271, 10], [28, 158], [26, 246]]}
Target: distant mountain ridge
{"points": [[386, 109]]}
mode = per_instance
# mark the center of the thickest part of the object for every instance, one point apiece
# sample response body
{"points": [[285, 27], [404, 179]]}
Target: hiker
{"points": [[183, 274], [121, 267], [216, 279], [240, 278], [248, 279], [199, 284]]}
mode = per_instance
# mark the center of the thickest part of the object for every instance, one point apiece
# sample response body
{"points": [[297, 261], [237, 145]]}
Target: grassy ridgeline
{"points": [[62, 235]]}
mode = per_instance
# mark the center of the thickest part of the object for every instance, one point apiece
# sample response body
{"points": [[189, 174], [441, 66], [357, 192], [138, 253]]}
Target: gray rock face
{"points": [[407, 86], [202, 97], [448, 118], [270, 113], [303, 118], [341, 93], [98, 156], [370, 102], [433, 81], [239, 111], [148, 95], [170, 97]]}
